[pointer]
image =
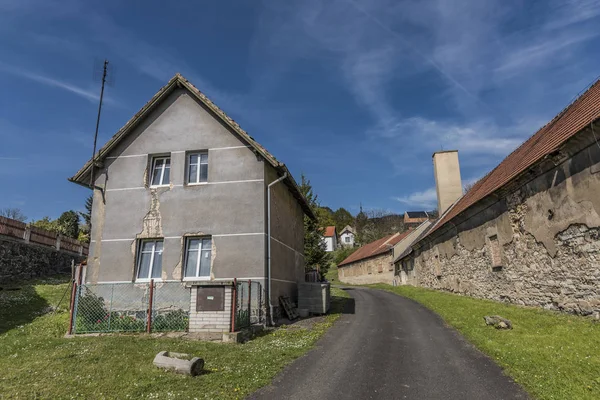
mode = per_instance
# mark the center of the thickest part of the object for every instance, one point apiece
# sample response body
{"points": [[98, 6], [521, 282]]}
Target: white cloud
{"points": [[425, 199]]}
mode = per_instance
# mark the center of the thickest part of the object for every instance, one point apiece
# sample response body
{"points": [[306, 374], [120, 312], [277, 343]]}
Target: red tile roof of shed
{"points": [[329, 231], [375, 248], [549, 138]]}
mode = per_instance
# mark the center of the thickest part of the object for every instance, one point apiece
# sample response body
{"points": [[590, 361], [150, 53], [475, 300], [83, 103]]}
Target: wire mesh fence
{"points": [[114, 307], [124, 307], [154, 307], [170, 307], [249, 304]]}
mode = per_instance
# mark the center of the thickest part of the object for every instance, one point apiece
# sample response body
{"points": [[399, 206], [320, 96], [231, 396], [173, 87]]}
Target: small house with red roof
{"points": [[330, 238]]}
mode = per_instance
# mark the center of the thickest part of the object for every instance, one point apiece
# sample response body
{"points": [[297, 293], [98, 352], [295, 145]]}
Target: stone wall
{"points": [[537, 244], [377, 269], [20, 260]]}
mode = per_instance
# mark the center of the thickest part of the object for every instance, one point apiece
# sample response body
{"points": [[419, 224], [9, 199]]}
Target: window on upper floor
{"points": [[347, 239], [161, 171], [197, 167], [198, 257], [149, 263]]}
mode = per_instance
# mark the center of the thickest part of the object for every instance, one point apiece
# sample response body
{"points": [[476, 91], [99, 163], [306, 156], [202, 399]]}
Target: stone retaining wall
{"points": [[20, 260]]}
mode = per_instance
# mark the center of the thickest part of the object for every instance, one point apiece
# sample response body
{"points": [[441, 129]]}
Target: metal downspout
{"points": [[269, 243]]}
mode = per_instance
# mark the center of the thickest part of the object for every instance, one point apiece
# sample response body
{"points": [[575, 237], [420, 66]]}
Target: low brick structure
{"points": [[210, 321]]}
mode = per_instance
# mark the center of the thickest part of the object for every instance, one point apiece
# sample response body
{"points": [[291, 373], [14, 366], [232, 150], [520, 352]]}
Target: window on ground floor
{"points": [[198, 257], [149, 265]]}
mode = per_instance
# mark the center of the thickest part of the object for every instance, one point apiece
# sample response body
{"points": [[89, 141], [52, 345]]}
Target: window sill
{"points": [[197, 184], [147, 280], [200, 278], [158, 186]]}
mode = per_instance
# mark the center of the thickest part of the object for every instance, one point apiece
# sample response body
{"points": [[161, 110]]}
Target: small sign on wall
{"points": [[210, 298]]}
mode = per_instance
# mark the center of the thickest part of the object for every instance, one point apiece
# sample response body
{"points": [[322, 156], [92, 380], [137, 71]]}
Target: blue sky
{"points": [[355, 94]]}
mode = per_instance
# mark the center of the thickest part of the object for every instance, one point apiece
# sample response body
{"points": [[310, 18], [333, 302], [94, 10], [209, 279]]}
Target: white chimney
{"points": [[447, 178]]}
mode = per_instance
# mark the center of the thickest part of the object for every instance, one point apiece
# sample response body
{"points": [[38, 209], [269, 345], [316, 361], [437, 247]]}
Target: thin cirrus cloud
{"points": [[89, 95]]}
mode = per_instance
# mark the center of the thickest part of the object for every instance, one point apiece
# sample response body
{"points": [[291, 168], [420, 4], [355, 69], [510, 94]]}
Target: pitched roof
{"points": [[544, 142], [178, 81], [416, 214], [375, 248], [348, 228], [329, 231], [409, 249]]}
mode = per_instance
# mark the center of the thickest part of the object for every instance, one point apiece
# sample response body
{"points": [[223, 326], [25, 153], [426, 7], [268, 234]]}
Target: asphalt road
{"points": [[389, 347]]}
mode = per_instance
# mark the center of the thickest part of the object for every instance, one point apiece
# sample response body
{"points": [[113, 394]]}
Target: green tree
{"points": [[86, 227], [342, 217], [325, 216], [315, 256], [87, 215], [68, 223], [47, 224]]}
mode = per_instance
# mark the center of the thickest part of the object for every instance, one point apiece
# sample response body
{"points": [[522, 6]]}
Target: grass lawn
{"points": [[552, 355], [37, 362]]}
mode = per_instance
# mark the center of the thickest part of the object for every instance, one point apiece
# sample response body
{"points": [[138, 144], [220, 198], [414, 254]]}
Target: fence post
{"points": [[249, 302], [233, 305], [72, 306], [149, 322], [75, 292], [112, 292], [27, 233], [58, 241]]}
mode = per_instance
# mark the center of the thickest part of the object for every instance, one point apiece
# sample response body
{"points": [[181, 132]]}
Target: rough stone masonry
{"points": [[535, 244]]}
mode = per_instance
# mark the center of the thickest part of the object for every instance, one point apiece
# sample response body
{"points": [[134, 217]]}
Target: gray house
{"points": [[182, 193]]}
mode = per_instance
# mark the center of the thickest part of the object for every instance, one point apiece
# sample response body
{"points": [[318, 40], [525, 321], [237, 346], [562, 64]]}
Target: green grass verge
{"points": [[552, 355], [37, 362]]}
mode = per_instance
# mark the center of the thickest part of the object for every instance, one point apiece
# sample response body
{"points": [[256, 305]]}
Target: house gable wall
{"points": [[232, 213]]}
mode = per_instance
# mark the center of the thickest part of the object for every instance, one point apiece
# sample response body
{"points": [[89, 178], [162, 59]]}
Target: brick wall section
{"points": [[377, 269], [214, 321]]}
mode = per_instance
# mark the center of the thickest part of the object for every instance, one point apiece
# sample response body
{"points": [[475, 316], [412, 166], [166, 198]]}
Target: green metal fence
{"points": [[131, 307], [249, 304]]}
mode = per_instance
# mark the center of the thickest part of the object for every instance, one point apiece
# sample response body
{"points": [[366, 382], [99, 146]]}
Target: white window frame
{"points": [[139, 260], [347, 239], [197, 181], [199, 260], [162, 170]]}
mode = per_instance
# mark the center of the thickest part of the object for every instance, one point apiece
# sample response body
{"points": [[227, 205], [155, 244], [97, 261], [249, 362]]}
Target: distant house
{"points": [[183, 194], [330, 238], [371, 263], [347, 236], [415, 218], [528, 232]]}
